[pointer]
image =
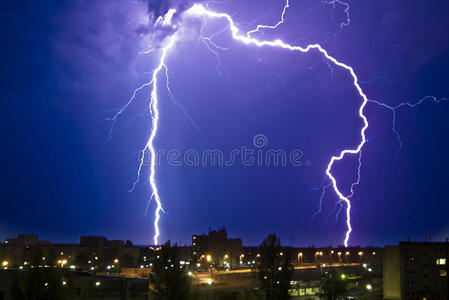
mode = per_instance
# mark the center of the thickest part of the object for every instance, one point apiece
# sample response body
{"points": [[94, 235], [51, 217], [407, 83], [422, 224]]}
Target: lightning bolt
{"points": [[155, 122], [346, 11], [200, 11], [154, 111]]}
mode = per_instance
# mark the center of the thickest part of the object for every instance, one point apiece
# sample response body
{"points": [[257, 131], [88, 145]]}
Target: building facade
{"points": [[416, 271], [93, 253], [217, 249]]}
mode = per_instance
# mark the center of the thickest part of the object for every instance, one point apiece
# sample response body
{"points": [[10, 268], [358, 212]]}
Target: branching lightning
{"points": [[393, 109], [282, 20], [203, 12]]}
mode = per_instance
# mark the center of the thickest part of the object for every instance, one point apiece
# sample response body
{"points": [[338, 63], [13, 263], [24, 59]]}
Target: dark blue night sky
{"points": [[67, 66]]}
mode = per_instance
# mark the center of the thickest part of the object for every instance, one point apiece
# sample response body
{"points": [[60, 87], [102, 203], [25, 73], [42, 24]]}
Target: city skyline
{"points": [[246, 134]]}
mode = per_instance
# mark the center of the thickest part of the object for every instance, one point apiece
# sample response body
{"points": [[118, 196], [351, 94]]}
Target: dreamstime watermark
{"points": [[257, 155]]}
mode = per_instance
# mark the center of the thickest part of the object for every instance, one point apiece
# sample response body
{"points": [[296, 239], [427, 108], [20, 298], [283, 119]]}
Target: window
{"points": [[443, 273], [441, 261]]}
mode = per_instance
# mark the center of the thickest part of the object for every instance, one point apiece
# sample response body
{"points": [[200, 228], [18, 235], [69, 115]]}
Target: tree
{"points": [[274, 269], [169, 279], [333, 286]]}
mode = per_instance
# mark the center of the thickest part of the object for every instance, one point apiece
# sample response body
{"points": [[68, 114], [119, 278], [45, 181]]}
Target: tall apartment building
{"points": [[416, 271], [215, 248]]}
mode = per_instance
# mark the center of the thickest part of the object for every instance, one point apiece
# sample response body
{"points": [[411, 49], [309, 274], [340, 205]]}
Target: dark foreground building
{"points": [[416, 271], [86, 285]]}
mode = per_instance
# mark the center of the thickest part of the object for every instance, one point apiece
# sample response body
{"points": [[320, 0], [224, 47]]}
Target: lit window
{"points": [[443, 273], [441, 261]]}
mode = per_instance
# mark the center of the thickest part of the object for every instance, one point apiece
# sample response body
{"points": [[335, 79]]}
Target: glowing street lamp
{"points": [[299, 257], [62, 262]]}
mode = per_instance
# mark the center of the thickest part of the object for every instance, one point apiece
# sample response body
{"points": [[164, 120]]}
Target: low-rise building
{"points": [[85, 285]]}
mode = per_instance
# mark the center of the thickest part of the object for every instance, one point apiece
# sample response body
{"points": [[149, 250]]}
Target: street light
{"points": [[62, 262], [369, 287], [209, 258], [299, 257]]}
